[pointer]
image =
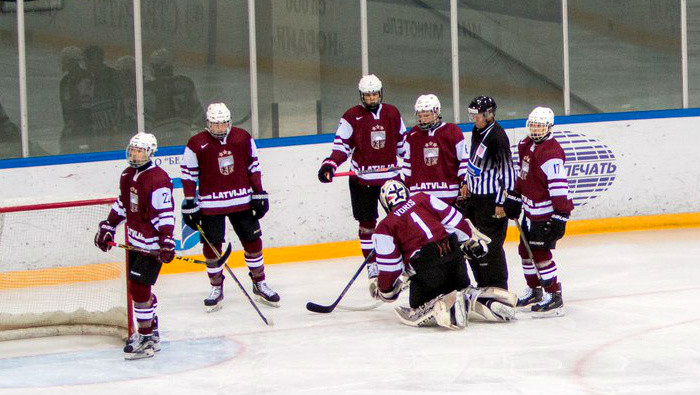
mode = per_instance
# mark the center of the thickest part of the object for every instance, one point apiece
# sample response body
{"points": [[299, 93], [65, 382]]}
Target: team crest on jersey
{"points": [[225, 162], [133, 200], [526, 167], [431, 153], [378, 136]]}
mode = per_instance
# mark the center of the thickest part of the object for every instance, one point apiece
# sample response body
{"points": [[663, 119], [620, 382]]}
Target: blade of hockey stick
{"points": [[223, 258], [317, 308]]}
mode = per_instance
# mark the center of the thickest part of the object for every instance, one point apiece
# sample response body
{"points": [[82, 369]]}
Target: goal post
{"points": [[53, 280]]}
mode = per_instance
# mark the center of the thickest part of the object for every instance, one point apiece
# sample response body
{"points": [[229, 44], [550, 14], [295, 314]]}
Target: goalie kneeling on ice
{"points": [[456, 309]]}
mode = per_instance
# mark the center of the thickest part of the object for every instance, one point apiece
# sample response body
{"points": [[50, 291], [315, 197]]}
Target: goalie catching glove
{"points": [[259, 204], [104, 236], [477, 245], [190, 213], [388, 296]]}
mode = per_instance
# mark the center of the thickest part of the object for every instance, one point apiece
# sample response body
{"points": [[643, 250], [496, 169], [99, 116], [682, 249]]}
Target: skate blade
{"points": [[147, 353], [266, 302], [558, 312], [156, 347], [216, 307]]}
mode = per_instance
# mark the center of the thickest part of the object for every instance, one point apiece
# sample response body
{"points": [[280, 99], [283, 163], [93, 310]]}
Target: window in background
{"points": [[410, 51], [512, 51], [10, 139], [625, 55], [80, 78], [309, 62], [693, 15]]}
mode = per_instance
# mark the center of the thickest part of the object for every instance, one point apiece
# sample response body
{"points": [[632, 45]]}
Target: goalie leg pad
{"points": [[448, 311], [490, 304], [501, 295]]}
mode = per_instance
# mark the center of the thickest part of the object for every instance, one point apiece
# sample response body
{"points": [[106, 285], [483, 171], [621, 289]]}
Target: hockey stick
{"points": [[404, 286], [317, 308], [522, 237], [223, 258], [255, 306], [370, 171]]}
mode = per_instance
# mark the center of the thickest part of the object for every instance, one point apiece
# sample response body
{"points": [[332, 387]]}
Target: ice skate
{"points": [[551, 305], [529, 297], [215, 300], [156, 335], [139, 346], [264, 294]]}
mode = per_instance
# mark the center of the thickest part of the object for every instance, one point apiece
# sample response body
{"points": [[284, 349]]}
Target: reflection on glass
{"points": [[410, 50], [511, 51], [625, 57], [308, 63], [172, 109]]}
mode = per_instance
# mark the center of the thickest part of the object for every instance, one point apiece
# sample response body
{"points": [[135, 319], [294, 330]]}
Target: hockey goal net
{"points": [[53, 280]]}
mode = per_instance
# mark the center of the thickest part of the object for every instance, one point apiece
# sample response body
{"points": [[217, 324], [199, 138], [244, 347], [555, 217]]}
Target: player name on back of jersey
{"points": [[405, 207]]}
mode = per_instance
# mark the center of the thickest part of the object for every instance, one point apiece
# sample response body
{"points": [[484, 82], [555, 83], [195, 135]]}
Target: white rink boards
{"points": [[632, 327]]}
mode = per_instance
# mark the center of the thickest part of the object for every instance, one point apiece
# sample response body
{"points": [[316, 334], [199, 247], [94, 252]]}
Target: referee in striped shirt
{"points": [[490, 176]]}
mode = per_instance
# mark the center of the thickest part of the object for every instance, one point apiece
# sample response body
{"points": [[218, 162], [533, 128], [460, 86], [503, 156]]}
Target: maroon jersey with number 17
{"points": [[410, 226], [542, 179]]}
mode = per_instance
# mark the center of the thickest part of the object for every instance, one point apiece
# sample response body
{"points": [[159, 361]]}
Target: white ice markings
{"points": [[106, 365]]}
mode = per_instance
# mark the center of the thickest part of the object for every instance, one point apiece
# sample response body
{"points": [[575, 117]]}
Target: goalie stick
{"points": [[223, 258], [370, 171], [317, 308], [267, 321]]}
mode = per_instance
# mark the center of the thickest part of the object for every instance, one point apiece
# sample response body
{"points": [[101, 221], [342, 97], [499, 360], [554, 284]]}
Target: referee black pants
{"points": [[490, 270]]}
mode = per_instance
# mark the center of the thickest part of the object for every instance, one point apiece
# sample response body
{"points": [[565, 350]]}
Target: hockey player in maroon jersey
{"points": [[435, 159], [428, 239], [372, 136], [146, 202], [221, 179], [542, 190]]}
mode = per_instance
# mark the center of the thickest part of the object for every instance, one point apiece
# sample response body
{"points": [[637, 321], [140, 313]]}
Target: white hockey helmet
{"points": [[430, 108], [370, 84], [539, 123], [392, 194], [141, 149], [218, 120]]}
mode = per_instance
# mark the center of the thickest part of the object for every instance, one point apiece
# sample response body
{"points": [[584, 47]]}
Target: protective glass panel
{"points": [[409, 50], [693, 13], [511, 51], [625, 55], [80, 77], [10, 139], [308, 64], [195, 53]]}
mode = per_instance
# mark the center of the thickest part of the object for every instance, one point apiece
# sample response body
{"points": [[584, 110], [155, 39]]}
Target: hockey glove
{"points": [[475, 248], [190, 213], [104, 236], [260, 204], [513, 206], [166, 253], [327, 170], [388, 296], [555, 227]]}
